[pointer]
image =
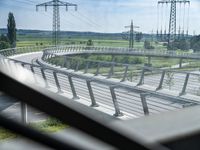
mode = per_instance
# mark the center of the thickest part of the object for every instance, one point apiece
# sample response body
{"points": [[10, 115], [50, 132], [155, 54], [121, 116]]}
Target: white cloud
{"points": [[110, 15]]}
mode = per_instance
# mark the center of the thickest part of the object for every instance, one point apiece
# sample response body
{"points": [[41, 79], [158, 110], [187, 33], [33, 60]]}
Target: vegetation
{"points": [[90, 43], [182, 44], [147, 45], [138, 37], [11, 30], [195, 43], [4, 42], [4, 45], [49, 126], [5, 134]]}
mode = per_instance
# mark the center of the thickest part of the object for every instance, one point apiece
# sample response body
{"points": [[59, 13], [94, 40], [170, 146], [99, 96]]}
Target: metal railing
{"points": [[181, 82], [72, 50], [14, 85], [22, 50]]}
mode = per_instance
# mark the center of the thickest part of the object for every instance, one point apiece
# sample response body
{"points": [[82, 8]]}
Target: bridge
{"points": [[112, 92], [109, 93], [81, 50]]}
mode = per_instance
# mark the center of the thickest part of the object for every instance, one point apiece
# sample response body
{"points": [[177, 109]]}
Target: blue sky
{"points": [[92, 15]]}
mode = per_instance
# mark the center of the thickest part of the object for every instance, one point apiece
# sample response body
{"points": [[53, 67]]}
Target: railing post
{"points": [[125, 74], [111, 72], [118, 113], [75, 97], [185, 84], [98, 68], [161, 80], [57, 82], [141, 78], [44, 77], [86, 67], [24, 115], [144, 103], [94, 104]]}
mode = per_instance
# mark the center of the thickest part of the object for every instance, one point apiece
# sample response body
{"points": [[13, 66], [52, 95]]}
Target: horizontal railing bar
{"points": [[118, 84]]}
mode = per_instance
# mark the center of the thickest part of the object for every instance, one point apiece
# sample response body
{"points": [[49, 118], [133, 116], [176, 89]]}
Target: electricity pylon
{"points": [[172, 20], [56, 16], [131, 38]]}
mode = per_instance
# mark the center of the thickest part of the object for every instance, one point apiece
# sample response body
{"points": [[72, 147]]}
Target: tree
{"points": [[195, 43], [90, 43], [196, 47], [4, 42], [138, 37], [4, 38], [4, 45], [181, 44], [147, 45], [11, 30]]}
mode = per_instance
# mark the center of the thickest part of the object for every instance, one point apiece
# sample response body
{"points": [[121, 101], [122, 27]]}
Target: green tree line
{"points": [[9, 40]]}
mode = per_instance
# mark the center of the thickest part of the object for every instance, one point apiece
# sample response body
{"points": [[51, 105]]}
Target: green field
{"points": [[32, 41], [48, 126]]}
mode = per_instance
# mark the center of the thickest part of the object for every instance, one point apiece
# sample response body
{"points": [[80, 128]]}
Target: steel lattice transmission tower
{"points": [[172, 20], [56, 16], [131, 37]]}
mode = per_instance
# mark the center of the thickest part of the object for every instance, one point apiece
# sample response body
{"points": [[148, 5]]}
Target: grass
{"points": [[5, 134], [48, 126], [24, 41]]}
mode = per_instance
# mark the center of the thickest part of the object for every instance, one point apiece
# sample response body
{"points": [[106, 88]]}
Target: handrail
{"points": [[13, 86], [112, 50], [58, 107]]}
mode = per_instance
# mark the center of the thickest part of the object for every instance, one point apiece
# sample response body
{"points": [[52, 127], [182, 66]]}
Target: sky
{"points": [[107, 16]]}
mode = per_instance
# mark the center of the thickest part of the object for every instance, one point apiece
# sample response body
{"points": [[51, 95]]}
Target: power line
{"points": [[87, 22], [89, 19]]}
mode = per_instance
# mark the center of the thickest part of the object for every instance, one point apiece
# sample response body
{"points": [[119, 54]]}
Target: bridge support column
{"points": [[98, 68], [65, 62], [68, 63], [86, 67], [149, 61], [118, 113], [113, 58], [180, 63], [77, 66], [94, 104], [111, 72], [24, 115]]}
